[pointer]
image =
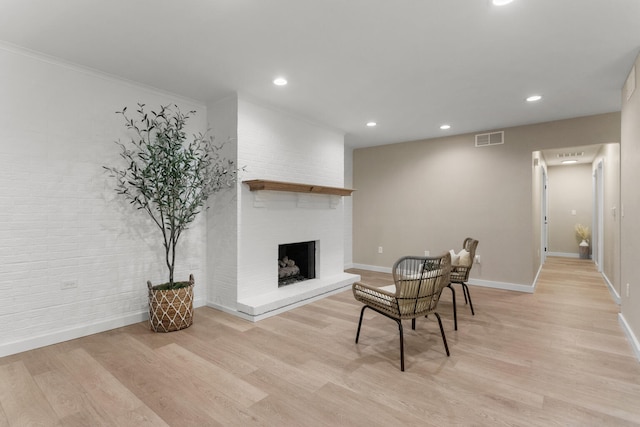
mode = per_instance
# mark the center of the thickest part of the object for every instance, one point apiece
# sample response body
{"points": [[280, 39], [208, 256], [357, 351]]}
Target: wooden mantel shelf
{"points": [[263, 184]]}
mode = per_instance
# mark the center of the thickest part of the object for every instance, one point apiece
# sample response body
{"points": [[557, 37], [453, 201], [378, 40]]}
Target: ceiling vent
{"points": [[492, 138], [576, 154]]}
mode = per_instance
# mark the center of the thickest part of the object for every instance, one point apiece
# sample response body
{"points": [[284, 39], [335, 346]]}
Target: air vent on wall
{"points": [[492, 138]]}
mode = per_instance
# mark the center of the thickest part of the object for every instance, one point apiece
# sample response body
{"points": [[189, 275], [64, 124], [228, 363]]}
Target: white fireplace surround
{"points": [[258, 293], [278, 149], [260, 298]]}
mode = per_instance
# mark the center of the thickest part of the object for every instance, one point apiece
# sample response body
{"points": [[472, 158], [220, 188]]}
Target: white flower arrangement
{"points": [[582, 232]]}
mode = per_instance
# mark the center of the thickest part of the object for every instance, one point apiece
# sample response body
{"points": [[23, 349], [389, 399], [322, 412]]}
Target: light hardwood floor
{"points": [[556, 357]]}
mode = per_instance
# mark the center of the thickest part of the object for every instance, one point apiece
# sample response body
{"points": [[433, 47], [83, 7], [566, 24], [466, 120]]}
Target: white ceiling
{"points": [[409, 65]]}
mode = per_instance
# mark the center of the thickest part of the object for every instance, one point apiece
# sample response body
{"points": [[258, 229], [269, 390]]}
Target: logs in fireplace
{"points": [[296, 262]]}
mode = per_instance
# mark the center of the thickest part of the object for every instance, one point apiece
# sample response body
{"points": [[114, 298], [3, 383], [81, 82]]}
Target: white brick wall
{"points": [[61, 222], [59, 219], [222, 231], [277, 146]]}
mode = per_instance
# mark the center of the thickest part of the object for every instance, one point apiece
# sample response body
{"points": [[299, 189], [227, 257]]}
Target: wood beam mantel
{"points": [[263, 184]]}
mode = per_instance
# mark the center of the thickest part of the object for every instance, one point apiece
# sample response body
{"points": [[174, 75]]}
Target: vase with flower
{"points": [[583, 235]]}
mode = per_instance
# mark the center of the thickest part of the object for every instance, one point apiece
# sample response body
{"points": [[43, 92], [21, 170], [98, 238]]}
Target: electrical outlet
{"points": [[477, 259], [627, 290], [68, 285], [379, 249], [426, 253]]}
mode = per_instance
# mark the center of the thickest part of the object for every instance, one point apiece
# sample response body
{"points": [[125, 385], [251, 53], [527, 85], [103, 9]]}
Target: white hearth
{"points": [[287, 297]]}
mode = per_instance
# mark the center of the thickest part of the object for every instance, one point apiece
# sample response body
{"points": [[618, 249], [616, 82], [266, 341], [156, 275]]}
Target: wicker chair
{"points": [[418, 283], [460, 275]]}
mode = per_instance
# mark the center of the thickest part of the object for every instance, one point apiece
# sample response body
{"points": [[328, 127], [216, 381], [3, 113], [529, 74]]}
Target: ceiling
{"points": [[409, 65], [581, 155]]}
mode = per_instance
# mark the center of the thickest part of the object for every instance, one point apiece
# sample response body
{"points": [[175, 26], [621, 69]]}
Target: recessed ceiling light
{"points": [[534, 98], [372, 124], [501, 2], [280, 81], [568, 162], [445, 127]]}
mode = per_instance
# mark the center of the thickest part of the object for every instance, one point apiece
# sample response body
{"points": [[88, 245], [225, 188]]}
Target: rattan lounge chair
{"points": [[418, 283], [460, 275]]}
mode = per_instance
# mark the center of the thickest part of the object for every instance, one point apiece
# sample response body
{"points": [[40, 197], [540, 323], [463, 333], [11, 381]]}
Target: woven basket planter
{"points": [[171, 309]]}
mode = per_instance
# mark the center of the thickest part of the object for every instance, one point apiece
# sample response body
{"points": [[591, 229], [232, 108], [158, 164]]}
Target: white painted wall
{"points": [[630, 208], [60, 221], [348, 209], [446, 189], [609, 156]]}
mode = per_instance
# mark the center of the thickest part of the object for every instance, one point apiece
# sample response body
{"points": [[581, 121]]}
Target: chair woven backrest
{"points": [[461, 273], [419, 282], [470, 245]]}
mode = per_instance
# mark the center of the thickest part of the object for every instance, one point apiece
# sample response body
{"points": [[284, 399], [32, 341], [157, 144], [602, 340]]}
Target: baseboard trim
{"points": [[372, 268], [79, 331], [633, 340], [535, 279], [71, 333], [564, 254], [612, 290], [474, 282], [502, 285]]}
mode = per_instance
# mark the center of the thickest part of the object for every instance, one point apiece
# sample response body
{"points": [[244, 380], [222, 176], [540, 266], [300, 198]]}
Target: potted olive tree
{"points": [[170, 177]]}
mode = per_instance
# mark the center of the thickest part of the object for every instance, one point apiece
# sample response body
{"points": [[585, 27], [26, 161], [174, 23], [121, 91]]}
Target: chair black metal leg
{"points": [[444, 339], [401, 346], [413, 324], [466, 290], [360, 323], [399, 327], [455, 311]]}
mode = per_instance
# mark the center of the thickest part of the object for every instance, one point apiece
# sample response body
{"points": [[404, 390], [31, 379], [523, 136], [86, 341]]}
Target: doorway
{"points": [[568, 197], [601, 186]]}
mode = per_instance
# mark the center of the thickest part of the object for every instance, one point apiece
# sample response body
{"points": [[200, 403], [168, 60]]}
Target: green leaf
{"points": [[168, 175]]}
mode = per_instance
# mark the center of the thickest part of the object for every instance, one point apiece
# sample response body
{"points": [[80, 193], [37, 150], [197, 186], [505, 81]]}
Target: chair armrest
{"points": [[361, 286], [375, 297]]}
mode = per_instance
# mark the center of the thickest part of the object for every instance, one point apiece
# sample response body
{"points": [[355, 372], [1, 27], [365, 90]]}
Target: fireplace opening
{"points": [[296, 262]]}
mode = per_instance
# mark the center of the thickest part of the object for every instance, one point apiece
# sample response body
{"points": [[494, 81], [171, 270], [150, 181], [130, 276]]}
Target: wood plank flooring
{"points": [[556, 357]]}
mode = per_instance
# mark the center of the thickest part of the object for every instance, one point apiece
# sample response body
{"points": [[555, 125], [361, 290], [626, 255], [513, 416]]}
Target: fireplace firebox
{"points": [[296, 262]]}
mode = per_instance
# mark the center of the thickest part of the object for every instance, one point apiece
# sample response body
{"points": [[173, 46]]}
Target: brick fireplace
{"points": [[292, 192]]}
